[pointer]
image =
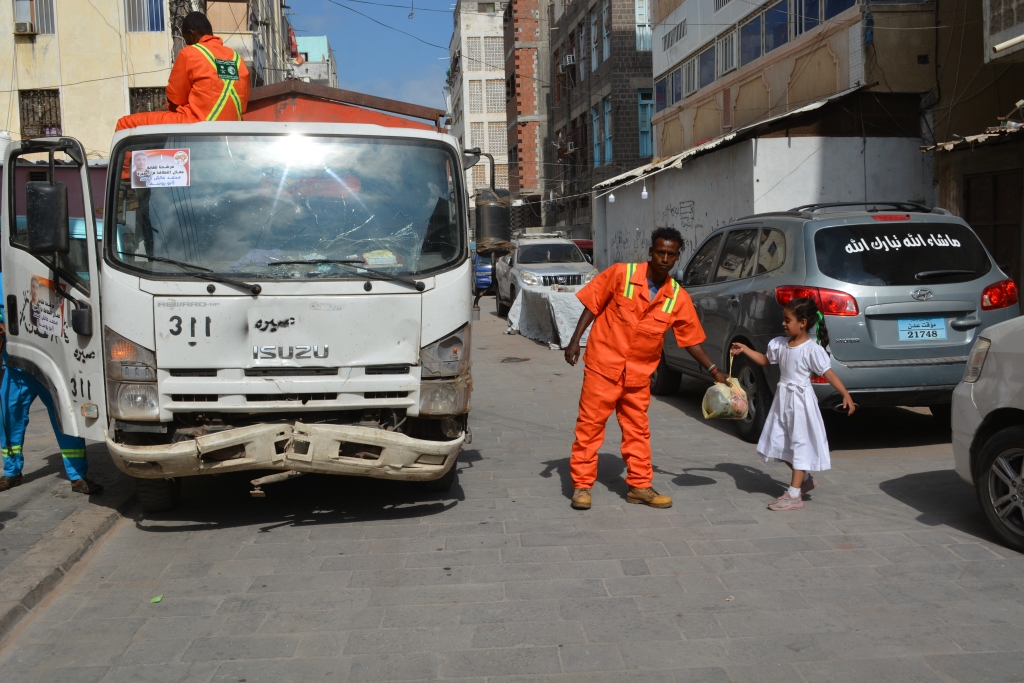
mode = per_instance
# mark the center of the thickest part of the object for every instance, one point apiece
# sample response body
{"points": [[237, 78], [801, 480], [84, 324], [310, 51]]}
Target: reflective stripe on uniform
{"points": [[670, 302], [73, 452], [13, 450], [630, 271], [229, 87]]}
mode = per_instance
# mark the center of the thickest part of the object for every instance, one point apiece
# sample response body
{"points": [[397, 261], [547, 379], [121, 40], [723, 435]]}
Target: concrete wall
{"points": [[756, 176]]}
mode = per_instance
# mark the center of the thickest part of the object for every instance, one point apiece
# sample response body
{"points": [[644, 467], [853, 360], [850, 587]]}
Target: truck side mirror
{"points": [[470, 158], [46, 216], [81, 319]]}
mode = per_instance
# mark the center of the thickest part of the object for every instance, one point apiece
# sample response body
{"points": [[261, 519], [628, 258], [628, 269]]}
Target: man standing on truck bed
{"points": [[209, 82], [633, 304]]}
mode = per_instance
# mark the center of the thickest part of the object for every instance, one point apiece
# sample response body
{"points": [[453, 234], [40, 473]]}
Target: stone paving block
{"points": [[168, 672], [153, 652], [554, 589], [910, 670], [436, 595], [315, 621], [401, 616], [280, 670], [535, 633], [591, 657], [888, 642], [419, 666], [782, 622], [508, 612], [672, 655], [514, 661], [219, 648], [998, 667]]}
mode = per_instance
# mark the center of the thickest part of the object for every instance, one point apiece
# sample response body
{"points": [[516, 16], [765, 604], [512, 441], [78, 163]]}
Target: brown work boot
{"points": [[89, 488], [581, 499], [10, 482], [648, 496]]}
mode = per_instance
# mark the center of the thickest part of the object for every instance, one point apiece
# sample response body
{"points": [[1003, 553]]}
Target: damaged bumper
{"points": [[328, 449]]}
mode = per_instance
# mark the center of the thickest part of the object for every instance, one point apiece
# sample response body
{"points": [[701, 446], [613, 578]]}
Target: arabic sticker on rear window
{"points": [[160, 168]]}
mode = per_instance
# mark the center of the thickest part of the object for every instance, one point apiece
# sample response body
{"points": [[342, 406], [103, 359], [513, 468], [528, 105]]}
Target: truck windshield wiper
{"points": [[928, 274], [362, 272], [199, 272]]}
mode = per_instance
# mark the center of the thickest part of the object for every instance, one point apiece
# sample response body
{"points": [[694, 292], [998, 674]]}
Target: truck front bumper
{"points": [[328, 449]]}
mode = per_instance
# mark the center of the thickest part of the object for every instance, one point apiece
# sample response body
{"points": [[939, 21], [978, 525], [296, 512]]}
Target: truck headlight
{"points": [[126, 360], [446, 397], [977, 360], [449, 356], [529, 278], [589, 275], [131, 401]]}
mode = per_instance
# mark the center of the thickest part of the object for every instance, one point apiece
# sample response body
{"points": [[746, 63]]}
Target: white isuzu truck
{"points": [[271, 296]]}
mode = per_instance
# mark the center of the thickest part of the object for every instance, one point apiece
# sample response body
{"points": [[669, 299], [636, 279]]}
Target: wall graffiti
{"points": [[630, 244]]}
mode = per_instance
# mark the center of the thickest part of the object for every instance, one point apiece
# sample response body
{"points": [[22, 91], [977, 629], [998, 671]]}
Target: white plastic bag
{"points": [[725, 401]]}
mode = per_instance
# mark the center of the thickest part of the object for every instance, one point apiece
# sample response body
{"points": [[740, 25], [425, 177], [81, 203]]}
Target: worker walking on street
{"points": [[631, 306], [209, 82]]}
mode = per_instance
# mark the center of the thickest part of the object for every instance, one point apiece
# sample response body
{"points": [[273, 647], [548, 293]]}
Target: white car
{"points": [[539, 260], [988, 427]]}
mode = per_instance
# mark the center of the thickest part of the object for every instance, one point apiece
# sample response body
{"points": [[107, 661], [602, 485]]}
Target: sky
{"points": [[376, 60]]}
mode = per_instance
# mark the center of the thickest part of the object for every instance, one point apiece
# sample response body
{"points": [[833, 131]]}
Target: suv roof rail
{"points": [[898, 206], [520, 235]]}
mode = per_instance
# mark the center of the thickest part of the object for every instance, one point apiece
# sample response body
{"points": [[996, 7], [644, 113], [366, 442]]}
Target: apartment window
{"points": [[40, 113], [806, 15], [476, 97], [476, 135], [606, 20], [497, 137], [719, 4], [485, 7], [834, 7], [39, 13], [593, 40], [501, 176], [479, 175], [496, 96], [643, 25], [494, 53], [750, 41], [144, 16], [646, 104], [660, 92], [677, 33], [473, 55], [690, 81], [608, 130], [706, 66], [675, 86], [726, 53], [147, 99], [595, 126], [776, 26], [581, 40]]}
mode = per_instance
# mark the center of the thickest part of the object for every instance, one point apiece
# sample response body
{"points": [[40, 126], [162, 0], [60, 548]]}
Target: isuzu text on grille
{"points": [[292, 352]]}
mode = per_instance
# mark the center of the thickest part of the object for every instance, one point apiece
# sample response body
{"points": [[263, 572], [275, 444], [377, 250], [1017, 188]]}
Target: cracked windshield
{"points": [[287, 207]]}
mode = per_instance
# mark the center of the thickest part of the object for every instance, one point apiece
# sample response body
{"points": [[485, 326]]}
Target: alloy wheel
{"points": [[1006, 489]]}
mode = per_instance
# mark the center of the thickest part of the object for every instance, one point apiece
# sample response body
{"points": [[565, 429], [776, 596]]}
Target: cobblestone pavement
{"points": [[888, 573]]}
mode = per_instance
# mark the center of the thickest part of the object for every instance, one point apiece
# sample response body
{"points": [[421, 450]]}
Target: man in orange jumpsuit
{"points": [[631, 305], [209, 82]]}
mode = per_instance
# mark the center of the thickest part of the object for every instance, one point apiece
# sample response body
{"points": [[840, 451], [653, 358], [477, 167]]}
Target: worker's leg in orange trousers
{"points": [[598, 398], [152, 118]]}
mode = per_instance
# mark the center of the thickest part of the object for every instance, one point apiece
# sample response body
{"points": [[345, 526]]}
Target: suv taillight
{"points": [[999, 295], [830, 301]]}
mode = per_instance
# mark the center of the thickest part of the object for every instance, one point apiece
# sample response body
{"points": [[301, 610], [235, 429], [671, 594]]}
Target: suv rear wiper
{"points": [[928, 274], [362, 272], [202, 273]]}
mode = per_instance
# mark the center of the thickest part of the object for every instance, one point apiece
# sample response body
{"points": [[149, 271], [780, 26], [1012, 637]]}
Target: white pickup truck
{"points": [[278, 296]]}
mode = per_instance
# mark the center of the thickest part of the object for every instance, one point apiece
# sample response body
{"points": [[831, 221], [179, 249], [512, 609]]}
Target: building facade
{"points": [[476, 89], [77, 67], [601, 100], [315, 63], [527, 65], [258, 30]]}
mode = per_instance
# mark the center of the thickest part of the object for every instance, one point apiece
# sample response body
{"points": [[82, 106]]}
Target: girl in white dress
{"points": [[794, 432]]}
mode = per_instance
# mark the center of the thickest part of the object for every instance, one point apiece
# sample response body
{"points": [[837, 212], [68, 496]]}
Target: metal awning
{"points": [[991, 136], [724, 140]]}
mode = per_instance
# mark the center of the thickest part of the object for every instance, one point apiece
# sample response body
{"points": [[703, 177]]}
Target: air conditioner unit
{"points": [[571, 147], [24, 28], [568, 60]]}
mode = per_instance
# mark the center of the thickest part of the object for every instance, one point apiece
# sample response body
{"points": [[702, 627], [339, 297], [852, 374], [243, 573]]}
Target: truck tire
{"points": [[445, 483], [158, 495], [665, 380], [999, 485], [753, 381]]}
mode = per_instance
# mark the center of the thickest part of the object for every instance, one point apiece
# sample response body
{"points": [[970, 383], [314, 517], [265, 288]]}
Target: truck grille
{"points": [[264, 398], [193, 373], [194, 398], [385, 394], [289, 372], [562, 280], [387, 369]]}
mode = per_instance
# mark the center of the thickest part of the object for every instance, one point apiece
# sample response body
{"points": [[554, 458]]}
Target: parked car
{"points": [[587, 247], [905, 291], [988, 428], [539, 260], [481, 273]]}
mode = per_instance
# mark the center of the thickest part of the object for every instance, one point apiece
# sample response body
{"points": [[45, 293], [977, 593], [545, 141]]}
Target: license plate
{"points": [[922, 329]]}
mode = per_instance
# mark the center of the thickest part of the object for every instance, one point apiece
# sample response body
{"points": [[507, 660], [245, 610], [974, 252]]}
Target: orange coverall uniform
{"points": [[209, 82], [623, 349]]}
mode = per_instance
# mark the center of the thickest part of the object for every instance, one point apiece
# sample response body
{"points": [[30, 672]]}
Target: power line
{"points": [[381, 23]]}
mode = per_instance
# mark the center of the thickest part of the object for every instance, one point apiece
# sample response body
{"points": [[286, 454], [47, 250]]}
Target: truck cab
{"points": [[265, 295]]}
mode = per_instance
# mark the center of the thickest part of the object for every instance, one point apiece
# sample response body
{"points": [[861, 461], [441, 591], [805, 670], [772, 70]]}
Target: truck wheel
{"points": [[752, 380], [158, 495], [445, 483], [665, 380], [1000, 487]]}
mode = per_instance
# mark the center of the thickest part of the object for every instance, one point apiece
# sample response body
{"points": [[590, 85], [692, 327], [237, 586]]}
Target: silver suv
{"points": [[539, 260], [905, 291]]}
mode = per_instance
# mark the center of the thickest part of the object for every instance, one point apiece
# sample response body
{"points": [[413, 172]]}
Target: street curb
{"points": [[30, 578]]}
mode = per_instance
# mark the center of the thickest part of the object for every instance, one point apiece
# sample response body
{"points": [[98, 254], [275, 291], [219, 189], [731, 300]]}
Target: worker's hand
{"points": [[848, 405], [738, 348], [3, 329], [721, 377], [572, 352]]}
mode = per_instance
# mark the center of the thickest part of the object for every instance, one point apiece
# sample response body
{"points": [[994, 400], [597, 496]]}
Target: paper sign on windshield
{"points": [[160, 168]]}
